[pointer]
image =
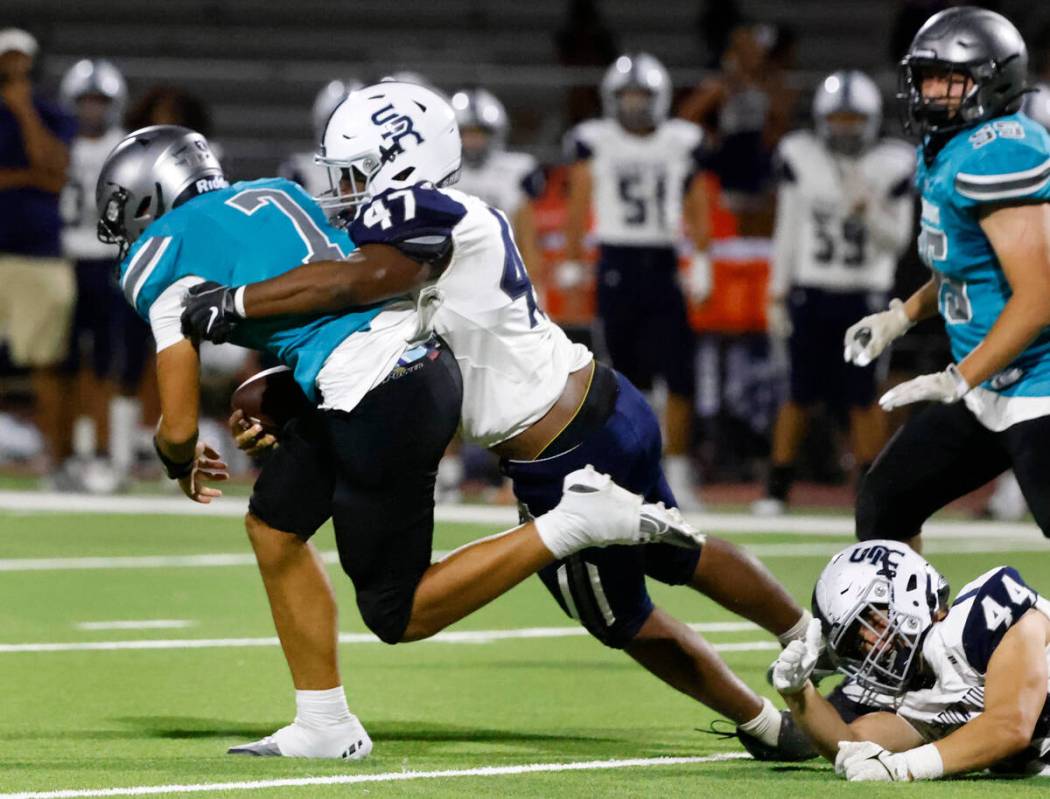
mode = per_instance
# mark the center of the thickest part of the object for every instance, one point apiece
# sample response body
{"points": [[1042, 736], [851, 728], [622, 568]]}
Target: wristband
{"points": [[238, 301], [961, 386], [174, 469], [924, 763]]}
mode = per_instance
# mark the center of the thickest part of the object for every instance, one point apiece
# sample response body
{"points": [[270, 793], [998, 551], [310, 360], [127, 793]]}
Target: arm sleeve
{"points": [[1005, 170], [890, 218], [418, 221], [785, 232], [165, 315]]}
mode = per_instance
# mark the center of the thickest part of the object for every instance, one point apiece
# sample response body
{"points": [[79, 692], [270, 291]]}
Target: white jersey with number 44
{"points": [[639, 181], [514, 361]]}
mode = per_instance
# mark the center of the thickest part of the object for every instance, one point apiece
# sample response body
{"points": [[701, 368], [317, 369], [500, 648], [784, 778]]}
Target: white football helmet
{"points": [[637, 71], [387, 135], [848, 91], [327, 100], [479, 108], [1037, 104], [99, 77], [875, 601]]}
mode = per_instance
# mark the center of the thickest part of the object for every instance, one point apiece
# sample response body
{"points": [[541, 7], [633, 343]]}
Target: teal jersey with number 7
{"points": [[1003, 162], [242, 234]]}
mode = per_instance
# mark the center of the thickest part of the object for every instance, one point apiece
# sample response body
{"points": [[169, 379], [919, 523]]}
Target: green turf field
{"points": [[76, 719]]}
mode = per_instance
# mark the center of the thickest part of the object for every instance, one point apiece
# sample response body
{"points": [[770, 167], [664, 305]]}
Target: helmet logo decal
{"points": [[394, 127], [878, 556]]}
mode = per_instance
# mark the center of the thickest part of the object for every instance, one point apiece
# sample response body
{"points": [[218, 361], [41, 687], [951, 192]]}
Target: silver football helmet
{"points": [[1037, 104], [876, 600], [481, 110], [387, 135], [150, 172], [848, 91], [636, 71], [99, 77], [327, 100]]}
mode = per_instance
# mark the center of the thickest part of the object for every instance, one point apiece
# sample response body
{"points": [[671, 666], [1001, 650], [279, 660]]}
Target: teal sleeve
{"points": [[1003, 170]]}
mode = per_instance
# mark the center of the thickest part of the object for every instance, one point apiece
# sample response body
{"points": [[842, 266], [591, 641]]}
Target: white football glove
{"points": [[699, 280], [791, 671], [866, 761], [778, 320], [866, 339], [948, 386], [569, 274]]}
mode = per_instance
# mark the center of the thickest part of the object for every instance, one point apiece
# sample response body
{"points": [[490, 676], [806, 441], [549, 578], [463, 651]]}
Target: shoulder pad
{"points": [[417, 220], [689, 134], [582, 141], [1002, 161], [1000, 598], [795, 151]]}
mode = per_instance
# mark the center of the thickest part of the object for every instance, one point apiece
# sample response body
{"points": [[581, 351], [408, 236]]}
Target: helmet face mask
{"points": [[636, 91]]}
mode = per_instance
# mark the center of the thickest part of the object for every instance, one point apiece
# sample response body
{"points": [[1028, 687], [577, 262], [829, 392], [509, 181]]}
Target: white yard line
{"points": [[390, 776], [448, 637], [502, 516], [143, 624]]}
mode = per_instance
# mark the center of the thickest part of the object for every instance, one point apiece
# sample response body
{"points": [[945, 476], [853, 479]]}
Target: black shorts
{"points": [[644, 317], [372, 470], [106, 328], [819, 320], [943, 453]]}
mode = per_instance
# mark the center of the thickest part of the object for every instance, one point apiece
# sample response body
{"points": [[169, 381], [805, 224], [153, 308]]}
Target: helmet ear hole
{"points": [[143, 207]]}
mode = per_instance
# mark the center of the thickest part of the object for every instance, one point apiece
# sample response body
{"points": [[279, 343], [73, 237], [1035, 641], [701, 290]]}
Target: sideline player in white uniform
{"points": [[538, 401], [94, 90], [639, 171], [970, 680], [844, 216], [301, 166]]}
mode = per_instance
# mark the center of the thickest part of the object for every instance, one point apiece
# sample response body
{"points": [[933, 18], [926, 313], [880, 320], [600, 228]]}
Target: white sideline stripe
{"points": [[449, 637], [390, 776], [503, 516], [144, 624], [939, 546]]}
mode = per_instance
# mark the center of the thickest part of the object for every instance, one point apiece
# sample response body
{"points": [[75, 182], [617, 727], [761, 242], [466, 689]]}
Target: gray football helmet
{"points": [[148, 173], [328, 99], [479, 108], [100, 77], [1037, 105], [960, 44], [637, 71], [848, 91]]}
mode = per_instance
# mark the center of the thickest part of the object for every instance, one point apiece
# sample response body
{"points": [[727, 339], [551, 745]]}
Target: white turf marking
{"points": [[144, 624], [448, 637], [391, 776], [501, 516]]}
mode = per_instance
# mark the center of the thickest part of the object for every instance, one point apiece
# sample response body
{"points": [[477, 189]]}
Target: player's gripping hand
{"points": [[249, 437], [210, 312], [699, 281], [207, 467], [866, 339], [948, 386], [791, 671], [866, 761]]}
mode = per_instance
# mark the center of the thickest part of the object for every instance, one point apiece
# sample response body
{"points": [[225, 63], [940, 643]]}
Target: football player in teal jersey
{"points": [[984, 177], [387, 403]]}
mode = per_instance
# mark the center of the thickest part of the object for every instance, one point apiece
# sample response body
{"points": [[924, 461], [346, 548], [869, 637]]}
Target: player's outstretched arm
{"points": [[1020, 236], [1014, 695], [373, 273]]}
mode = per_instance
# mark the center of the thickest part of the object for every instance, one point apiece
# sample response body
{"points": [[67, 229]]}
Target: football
{"points": [[270, 398]]}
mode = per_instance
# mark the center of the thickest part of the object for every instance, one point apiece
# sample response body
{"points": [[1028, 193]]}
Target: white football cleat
{"points": [[610, 514], [347, 741]]}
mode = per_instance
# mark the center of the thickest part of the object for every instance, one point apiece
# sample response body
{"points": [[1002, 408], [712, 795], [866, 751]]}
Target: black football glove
{"points": [[209, 312]]}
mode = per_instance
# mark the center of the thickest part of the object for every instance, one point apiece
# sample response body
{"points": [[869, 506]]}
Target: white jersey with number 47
{"points": [[841, 222], [514, 361], [639, 181]]}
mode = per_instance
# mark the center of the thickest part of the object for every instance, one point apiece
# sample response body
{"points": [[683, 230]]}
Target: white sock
{"points": [[562, 533], [766, 725], [679, 470], [797, 631], [124, 414], [322, 708]]}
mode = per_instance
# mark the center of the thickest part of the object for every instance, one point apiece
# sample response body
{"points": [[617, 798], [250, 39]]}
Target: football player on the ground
{"points": [[639, 171], [539, 402], [969, 681], [984, 175], [95, 91], [844, 215], [388, 404]]}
